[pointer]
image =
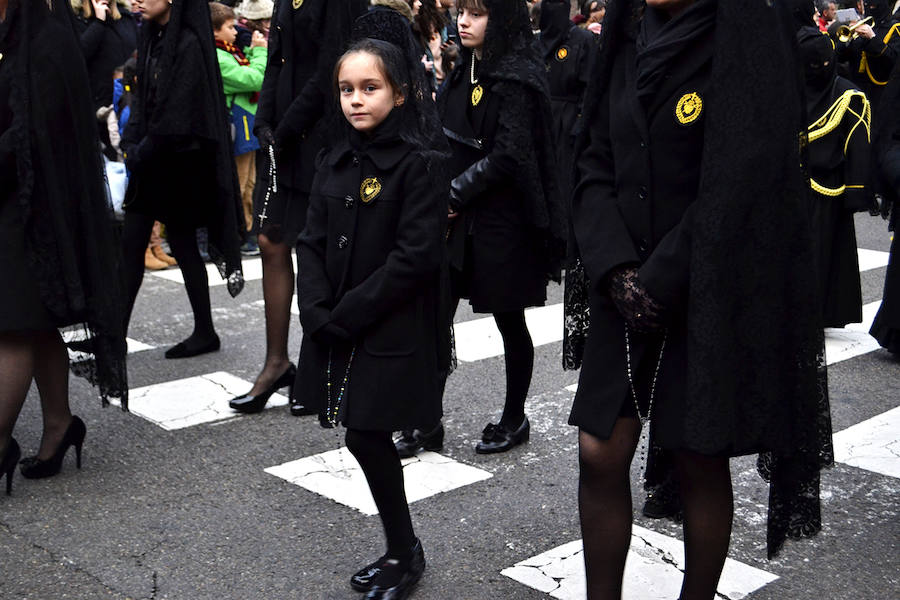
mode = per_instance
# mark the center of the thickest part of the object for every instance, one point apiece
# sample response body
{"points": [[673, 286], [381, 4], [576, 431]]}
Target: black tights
{"points": [[519, 355], [376, 454], [604, 502], [183, 240]]}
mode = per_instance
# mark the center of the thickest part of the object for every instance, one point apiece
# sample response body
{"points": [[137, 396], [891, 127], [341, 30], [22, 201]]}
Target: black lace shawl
{"points": [[190, 104], [755, 343], [511, 57], [68, 219]]}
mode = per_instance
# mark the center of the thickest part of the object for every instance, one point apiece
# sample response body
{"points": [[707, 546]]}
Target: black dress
{"points": [[21, 309], [371, 266], [839, 165], [296, 102], [497, 258]]}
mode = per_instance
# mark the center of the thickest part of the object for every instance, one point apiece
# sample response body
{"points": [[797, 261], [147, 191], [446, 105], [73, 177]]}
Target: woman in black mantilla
{"points": [[839, 168], [59, 263], [305, 40], [507, 227], [567, 53], [178, 152], [691, 220]]}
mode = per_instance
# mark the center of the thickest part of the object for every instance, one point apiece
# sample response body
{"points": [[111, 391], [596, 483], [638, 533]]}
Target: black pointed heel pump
{"points": [[248, 404], [8, 464], [36, 468]]}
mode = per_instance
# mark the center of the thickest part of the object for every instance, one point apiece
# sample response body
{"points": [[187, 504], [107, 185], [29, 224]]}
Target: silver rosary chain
{"points": [[644, 419]]}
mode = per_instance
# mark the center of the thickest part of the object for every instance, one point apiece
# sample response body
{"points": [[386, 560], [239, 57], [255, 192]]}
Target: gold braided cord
{"points": [[830, 121], [833, 117], [864, 61]]}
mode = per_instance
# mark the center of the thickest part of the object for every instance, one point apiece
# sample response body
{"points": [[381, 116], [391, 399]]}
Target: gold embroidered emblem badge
{"points": [[369, 189], [562, 54], [298, 4], [689, 108], [477, 95]]}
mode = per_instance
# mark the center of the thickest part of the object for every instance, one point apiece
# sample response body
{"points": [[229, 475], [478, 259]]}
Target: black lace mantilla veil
{"points": [[757, 380], [190, 103], [69, 240], [511, 57], [420, 126]]}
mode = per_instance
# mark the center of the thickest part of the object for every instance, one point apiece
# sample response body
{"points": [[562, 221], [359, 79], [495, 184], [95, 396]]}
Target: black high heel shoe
{"points": [[8, 464], [409, 578], [253, 404], [74, 436]]}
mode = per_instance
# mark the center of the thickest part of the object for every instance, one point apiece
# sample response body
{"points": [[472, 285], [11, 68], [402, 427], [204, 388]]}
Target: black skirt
{"points": [[285, 211], [886, 328], [21, 308]]}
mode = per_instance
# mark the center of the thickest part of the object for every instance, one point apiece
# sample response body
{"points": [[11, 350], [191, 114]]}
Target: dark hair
{"points": [[471, 4], [391, 62], [430, 19], [220, 14]]}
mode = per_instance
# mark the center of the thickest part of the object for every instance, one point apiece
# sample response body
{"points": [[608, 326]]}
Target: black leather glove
{"points": [[640, 311], [473, 181], [331, 335]]}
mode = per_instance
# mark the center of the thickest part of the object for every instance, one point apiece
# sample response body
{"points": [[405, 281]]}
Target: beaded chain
{"points": [[644, 418], [472, 71], [333, 408], [272, 188]]}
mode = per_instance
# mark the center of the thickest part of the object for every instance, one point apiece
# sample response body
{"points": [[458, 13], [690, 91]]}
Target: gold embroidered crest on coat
{"points": [[477, 94], [689, 108], [369, 189], [562, 54], [298, 4]]}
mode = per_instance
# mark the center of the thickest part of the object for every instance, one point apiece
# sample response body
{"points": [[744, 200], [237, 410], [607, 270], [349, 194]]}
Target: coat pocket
{"points": [[398, 333]]}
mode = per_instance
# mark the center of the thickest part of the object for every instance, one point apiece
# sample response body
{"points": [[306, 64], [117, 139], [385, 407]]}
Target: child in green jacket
{"points": [[242, 78]]}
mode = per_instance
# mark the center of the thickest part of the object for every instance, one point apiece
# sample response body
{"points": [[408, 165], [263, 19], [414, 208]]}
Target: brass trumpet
{"points": [[845, 33]]}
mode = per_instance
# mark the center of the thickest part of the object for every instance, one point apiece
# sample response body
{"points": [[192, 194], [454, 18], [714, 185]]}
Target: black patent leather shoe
{"points": [[497, 438], [185, 350], [411, 441], [253, 404], [408, 579], [362, 580], [301, 410], [35, 468]]}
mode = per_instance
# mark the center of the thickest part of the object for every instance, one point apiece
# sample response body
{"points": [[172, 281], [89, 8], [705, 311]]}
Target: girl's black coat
{"points": [[370, 271]]}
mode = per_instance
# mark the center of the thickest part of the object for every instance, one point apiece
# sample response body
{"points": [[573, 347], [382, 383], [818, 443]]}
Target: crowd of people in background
{"points": [[416, 153]]}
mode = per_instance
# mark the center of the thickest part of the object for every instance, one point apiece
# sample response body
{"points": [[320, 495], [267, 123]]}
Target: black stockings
{"points": [[376, 454], [708, 501], [604, 505], [519, 355], [183, 241], [604, 501], [42, 356], [278, 291]]}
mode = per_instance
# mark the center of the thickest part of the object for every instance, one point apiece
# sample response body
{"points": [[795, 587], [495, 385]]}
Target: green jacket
{"points": [[241, 82]]}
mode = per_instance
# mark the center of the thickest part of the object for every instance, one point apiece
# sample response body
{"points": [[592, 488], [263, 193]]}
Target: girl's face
{"points": [[366, 96], [472, 24], [156, 10], [416, 5]]}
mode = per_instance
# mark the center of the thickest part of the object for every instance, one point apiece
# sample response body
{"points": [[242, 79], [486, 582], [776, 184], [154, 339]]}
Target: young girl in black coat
{"points": [[376, 328]]}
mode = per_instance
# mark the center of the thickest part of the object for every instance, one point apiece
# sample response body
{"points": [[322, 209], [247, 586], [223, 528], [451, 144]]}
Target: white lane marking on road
{"points": [[653, 572], [336, 475], [853, 340], [872, 259], [191, 401], [479, 339], [251, 267], [872, 445]]}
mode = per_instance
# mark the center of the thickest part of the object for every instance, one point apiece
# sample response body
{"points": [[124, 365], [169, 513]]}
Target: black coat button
{"points": [[355, 161], [348, 201], [642, 194], [343, 241], [643, 245]]}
